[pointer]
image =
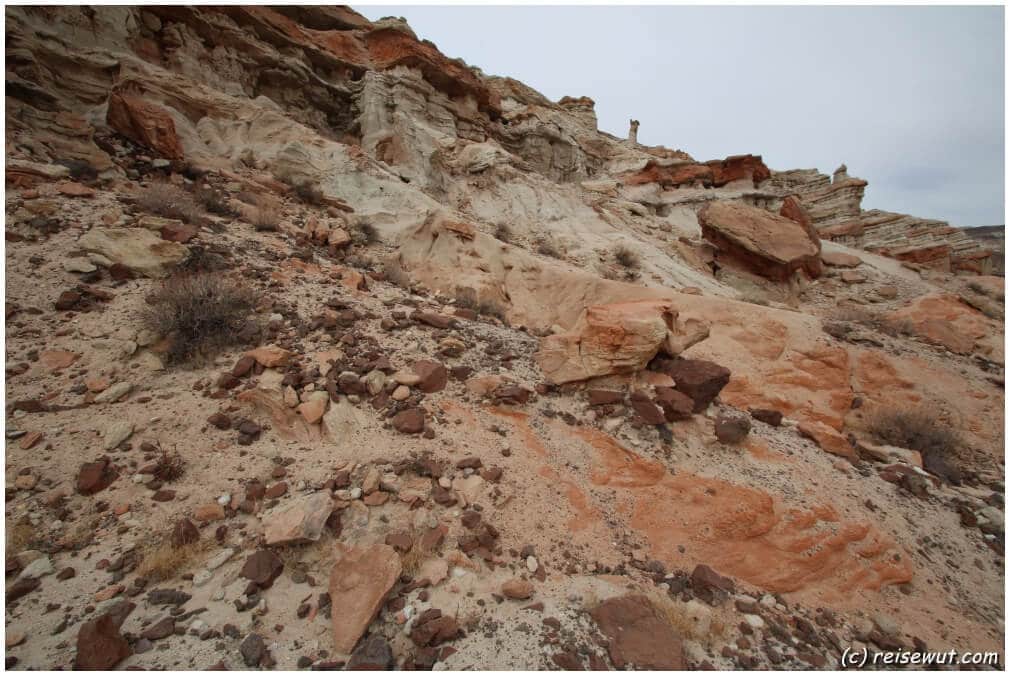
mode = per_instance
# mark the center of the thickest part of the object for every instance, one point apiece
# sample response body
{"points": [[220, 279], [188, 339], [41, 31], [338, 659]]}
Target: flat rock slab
{"points": [[301, 521], [140, 250], [639, 634], [359, 582]]}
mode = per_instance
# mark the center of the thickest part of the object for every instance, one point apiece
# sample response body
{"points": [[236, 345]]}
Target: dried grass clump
{"points": [[161, 561], [309, 193], [20, 536], [870, 320], [491, 308], [364, 233], [199, 313], [213, 200], [169, 201], [466, 298], [394, 273], [503, 233], [626, 258], [547, 247], [266, 217], [920, 430]]}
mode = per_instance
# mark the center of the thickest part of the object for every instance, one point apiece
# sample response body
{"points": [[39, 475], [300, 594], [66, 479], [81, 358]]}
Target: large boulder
{"points": [[698, 379], [359, 581], [616, 338], [145, 122], [100, 645], [767, 244], [141, 250], [639, 634]]}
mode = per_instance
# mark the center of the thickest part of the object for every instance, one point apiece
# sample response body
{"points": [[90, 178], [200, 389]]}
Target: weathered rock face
{"points": [[835, 208], [769, 245], [359, 581], [715, 173], [617, 338]]}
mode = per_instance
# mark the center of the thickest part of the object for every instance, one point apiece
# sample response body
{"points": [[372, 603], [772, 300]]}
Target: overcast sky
{"points": [[910, 98]]}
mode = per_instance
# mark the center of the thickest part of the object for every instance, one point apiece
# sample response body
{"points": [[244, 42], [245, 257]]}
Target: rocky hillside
{"points": [[327, 350]]}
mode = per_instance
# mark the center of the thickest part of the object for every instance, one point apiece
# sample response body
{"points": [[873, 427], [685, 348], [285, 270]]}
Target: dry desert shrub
{"points": [[170, 466], [20, 536], [920, 430], [503, 233], [364, 233], [266, 217], [308, 193], [491, 308], [626, 258], [161, 561], [394, 273], [466, 298], [170, 201], [695, 622], [198, 313], [214, 201], [547, 247], [870, 320]]}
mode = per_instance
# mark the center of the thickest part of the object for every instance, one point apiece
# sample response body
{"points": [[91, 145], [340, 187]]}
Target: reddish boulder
{"points": [[95, 476], [709, 585], [145, 122], [639, 634], [432, 375], [764, 243], [767, 416]]}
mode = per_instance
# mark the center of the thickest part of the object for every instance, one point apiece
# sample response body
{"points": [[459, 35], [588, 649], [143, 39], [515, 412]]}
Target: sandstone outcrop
{"points": [[771, 246], [616, 338]]}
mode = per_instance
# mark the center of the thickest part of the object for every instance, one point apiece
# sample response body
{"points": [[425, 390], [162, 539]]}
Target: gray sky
{"points": [[910, 98]]}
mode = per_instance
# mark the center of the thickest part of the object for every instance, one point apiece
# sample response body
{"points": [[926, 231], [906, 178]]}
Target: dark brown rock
{"points": [[373, 654], [160, 629], [767, 416], [409, 421], [699, 379], [262, 567], [647, 410], [709, 585], [676, 405], [599, 397], [731, 429], [99, 643], [95, 476], [432, 374]]}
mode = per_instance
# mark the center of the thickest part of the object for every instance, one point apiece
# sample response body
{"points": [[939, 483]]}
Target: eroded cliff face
{"points": [[471, 308]]}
